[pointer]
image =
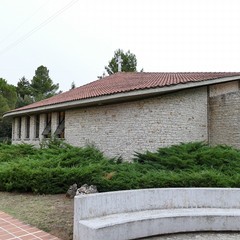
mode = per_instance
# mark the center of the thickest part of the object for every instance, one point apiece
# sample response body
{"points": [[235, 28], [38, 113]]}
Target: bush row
{"points": [[24, 168]]}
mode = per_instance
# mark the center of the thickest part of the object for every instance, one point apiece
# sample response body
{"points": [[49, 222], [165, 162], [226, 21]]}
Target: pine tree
{"points": [[42, 85], [129, 62]]}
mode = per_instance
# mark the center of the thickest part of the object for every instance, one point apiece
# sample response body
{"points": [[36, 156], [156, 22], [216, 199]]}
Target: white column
{"points": [[23, 128], [42, 125], [32, 127]]}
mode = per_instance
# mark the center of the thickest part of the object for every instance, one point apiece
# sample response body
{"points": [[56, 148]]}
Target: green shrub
{"points": [[54, 167]]}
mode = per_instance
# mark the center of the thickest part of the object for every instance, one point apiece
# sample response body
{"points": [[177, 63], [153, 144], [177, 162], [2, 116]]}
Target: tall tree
{"points": [[8, 91], [8, 98], [24, 96], [23, 88], [5, 130], [3, 106], [128, 62], [42, 85]]}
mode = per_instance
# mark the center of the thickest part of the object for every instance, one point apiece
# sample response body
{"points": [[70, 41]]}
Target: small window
{"points": [[47, 131], [61, 125], [37, 124], [27, 127]]}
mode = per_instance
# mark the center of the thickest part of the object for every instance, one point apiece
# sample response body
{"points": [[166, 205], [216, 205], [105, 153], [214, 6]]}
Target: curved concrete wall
{"points": [[96, 205], [147, 212]]}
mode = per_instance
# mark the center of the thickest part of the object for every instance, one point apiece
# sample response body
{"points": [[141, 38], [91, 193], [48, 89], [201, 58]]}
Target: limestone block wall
{"points": [[223, 88], [225, 119], [147, 124]]}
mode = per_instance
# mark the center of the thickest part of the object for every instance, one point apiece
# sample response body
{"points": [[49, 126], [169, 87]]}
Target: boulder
{"points": [[71, 192], [85, 189]]}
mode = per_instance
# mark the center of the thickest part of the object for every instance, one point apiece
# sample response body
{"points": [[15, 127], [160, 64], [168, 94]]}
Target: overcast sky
{"points": [[75, 39]]}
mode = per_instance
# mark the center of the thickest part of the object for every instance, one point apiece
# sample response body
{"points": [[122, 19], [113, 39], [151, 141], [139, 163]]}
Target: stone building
{"points": [[128, 112]]}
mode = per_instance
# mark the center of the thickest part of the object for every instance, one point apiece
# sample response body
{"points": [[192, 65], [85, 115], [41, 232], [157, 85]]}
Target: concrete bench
{"points": [[147, 212]]}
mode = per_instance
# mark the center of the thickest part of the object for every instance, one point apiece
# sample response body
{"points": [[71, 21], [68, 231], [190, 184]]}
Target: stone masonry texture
{"points": [[209, 114], [147, 124], [223, 88], [225, 119]]}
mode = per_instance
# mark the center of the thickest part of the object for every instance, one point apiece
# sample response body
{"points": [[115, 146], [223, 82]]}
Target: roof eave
{"points": [[118, 97]]}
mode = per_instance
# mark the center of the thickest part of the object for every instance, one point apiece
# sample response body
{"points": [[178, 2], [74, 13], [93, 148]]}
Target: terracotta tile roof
{"points": [[126, 82]]}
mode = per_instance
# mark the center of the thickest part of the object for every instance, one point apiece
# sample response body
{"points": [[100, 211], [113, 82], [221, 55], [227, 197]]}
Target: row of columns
{"points": [[19, 127]]}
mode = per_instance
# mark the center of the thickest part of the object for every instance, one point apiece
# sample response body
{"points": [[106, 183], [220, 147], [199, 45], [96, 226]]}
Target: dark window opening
{"points": [[19, 128], [59, 133], [37, 124], [27, 127], [47, 131]]}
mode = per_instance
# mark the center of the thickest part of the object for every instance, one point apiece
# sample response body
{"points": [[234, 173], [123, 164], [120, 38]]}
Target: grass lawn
{"points": [[51, 213]]}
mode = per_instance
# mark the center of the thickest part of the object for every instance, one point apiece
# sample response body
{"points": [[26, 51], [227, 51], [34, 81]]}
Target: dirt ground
{"points": [[51, 213]]}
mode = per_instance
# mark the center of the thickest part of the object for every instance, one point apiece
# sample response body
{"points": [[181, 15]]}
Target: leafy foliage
{"points": [[56, 166], [39, 88], [8, 92], [129, 62], [192, 156], [24, 93], [5, 131], [42, 85], [3, 106], [8, 98]]}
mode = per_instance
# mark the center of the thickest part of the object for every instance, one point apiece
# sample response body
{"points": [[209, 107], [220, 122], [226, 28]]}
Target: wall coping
{"points": [[160, 211]]}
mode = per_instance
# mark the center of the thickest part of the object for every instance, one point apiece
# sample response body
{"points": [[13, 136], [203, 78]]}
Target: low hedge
{"points": [[52, 169]]}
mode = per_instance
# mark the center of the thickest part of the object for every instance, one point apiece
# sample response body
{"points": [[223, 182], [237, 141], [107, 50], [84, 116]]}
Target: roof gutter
{"points": [[118, 97]]}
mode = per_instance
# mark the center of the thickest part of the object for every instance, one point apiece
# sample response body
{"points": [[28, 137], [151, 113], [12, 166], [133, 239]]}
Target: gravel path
{"points": [[198, 236]]}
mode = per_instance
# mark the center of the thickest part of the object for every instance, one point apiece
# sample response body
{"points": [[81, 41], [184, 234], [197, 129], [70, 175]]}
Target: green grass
{"points": [[52, 169]]}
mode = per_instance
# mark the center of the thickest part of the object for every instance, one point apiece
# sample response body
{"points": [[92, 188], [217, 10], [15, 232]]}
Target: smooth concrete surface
{"points": [[147, 212], [197, 236]]}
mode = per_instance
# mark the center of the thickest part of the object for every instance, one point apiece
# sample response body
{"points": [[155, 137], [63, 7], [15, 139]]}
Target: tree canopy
{"points": [[8, 99], [8, 92], [42, 85], [23, 93], [128, 64], [23, 88], [3, 106]]}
